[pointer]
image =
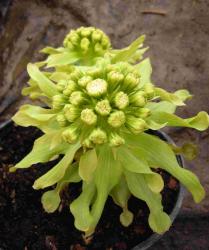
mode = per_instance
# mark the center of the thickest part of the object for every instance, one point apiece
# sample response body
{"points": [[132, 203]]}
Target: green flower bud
{"points": [[70, 135], [149, 90], [74, 38], [136, 125], [138, 99], [61, 120], [130, 81], [58, 101], [87, 143], [117, 119], [142, 112], [71, 112], [105, 42], [95, 72], [75, 75], [88, 116], [69, 45], [70, 87], [96, 36], [97, 87], [84, 81], [121, 100], [114, 78], [85, 44], [98, 136], [116, 140], [98, 48], [77, 97], [103, 107], [61, 85], [86, 32]]}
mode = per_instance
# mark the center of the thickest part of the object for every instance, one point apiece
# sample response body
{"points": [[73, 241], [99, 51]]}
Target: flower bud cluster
{"points": [[87, 41], [97, 103]]}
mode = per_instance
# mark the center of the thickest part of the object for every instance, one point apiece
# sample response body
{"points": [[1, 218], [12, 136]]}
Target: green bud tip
{"points": [[116, 140], [131, 81], [115, 77], [61, 120], [137, 99], [61, 85], [70, 135], [98, 136], [85, 44], [136, 125], [117, 119], [103, 107], [71, 112], [76, 97], [58, 101], [97, 87], [88, 116], [142, 112], [84, 81], [121, 100], [70, 87], [149, 90]]}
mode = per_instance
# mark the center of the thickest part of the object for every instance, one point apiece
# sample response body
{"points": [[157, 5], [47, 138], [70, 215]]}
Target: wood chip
{"points": [[155, 12]]}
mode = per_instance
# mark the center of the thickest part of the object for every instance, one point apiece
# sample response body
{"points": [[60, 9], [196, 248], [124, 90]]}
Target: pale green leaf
{"points": [[58, 76], [159, 155], [41, 152], [159, 221], [47, 86], [51, 50], [58, 171], [61, 59], [80, 207], [145, 70], [121, 195], [163, 106], [183, 94], [50, 201], [87, 165], [132, 163], [199, 122], [128, 52], [107, 175], [174, 98]]}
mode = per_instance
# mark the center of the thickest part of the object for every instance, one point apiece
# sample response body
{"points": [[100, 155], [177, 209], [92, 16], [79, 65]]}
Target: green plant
{"points": [[100, 103]]}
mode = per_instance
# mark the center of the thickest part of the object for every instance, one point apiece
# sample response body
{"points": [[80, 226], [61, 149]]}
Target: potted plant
{"points": [[99, 116]]}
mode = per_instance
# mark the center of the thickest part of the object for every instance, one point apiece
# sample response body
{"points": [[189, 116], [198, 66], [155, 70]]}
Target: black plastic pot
{"points": [[155, 237]]}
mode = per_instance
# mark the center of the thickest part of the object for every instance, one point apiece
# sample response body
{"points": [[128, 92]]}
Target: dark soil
{"points": [[25, 226]]}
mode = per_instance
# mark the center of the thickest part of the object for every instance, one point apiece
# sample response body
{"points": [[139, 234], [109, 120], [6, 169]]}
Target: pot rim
{"points": [[155, 237]]}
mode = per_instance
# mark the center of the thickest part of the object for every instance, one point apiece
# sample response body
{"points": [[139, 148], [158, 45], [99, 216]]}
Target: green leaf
{"points": [[163, 106], [159, 154], [155, 125], [29, 115], [159, 221], [199, 122], [127, 53], [145, 70], [58, 76], [121, 195], [51, 199], [51, 50], [58, 171], [80, 207], [155, 182], [176, 98], [87, 165], [40, 152], [107, 175], [183, 94], [132, 163], [47, 86], [62, 59], [188, 150]]}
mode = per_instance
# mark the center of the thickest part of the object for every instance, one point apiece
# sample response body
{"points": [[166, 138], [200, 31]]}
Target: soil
{"points": [[25, 225]]}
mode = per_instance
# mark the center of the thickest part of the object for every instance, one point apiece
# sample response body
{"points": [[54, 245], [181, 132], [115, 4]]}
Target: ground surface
{"points": [[179, 50]]}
